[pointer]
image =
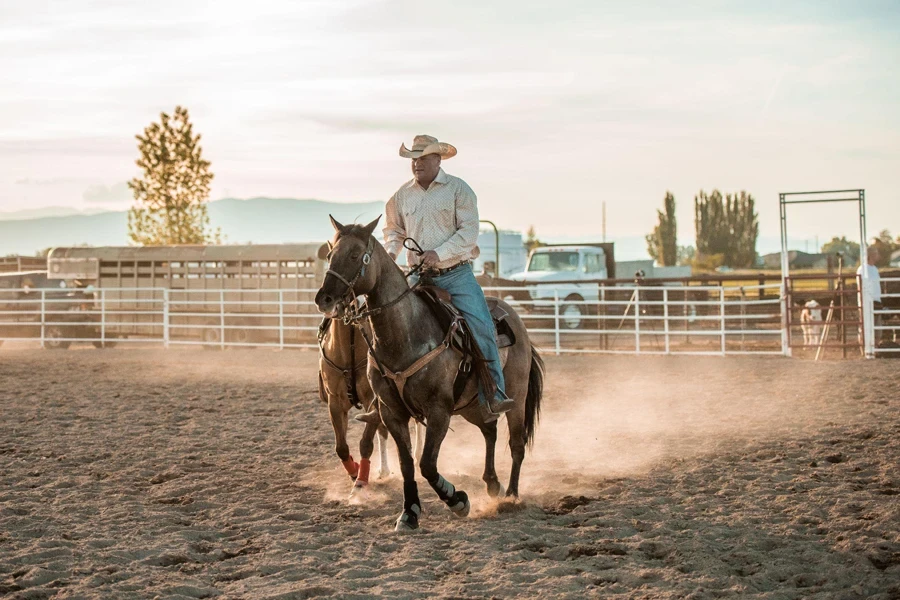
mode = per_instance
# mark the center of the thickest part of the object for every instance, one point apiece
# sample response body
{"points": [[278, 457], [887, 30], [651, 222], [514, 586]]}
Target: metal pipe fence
{"points": [[886, 326], [636, 319]]}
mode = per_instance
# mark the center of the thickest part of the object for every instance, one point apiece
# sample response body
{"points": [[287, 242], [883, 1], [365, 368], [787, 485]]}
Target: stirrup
{"points": [[371, 417], [501, 406]]}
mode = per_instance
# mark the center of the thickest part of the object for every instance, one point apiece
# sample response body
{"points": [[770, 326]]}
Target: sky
{"points": [[555, 107]]}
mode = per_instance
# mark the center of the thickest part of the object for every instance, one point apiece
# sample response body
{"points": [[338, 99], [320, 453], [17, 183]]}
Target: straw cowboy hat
{"points": [[811, 304], [425, 144]]}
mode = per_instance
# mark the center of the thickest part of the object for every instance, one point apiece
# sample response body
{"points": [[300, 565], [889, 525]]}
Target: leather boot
{"points": [[496, 407]]}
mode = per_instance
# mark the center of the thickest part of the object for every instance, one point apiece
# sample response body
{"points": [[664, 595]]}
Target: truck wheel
{"points": [[212, 338], [571, 316], [241, 336], [53, 335]]}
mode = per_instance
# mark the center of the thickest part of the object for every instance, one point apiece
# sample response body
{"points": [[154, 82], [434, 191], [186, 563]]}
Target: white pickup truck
{"points": [[550, 264]]}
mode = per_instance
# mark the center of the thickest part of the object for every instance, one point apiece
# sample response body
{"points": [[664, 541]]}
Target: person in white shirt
{"points": [[440, 212], [872, 289]]}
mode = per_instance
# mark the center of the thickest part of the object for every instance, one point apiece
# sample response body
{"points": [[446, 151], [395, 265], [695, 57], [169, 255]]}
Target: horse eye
{"points": [[354, 256]]}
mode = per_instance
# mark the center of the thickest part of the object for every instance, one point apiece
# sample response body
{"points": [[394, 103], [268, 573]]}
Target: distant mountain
{"points": [[47, 211], [257, 220]]}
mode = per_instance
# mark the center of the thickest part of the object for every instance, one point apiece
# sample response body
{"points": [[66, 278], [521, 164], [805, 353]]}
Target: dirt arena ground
{"points": [[136, 473]]}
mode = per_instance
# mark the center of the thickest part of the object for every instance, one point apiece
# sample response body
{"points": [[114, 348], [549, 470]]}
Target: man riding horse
{"points": [[440, 212]]}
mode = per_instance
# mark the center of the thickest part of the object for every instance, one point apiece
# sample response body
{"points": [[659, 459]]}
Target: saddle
{"points": [[472, 361]]}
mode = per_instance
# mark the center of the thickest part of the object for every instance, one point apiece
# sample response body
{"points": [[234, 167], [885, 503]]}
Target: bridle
{"points": [[349, 293], [355, 314]]}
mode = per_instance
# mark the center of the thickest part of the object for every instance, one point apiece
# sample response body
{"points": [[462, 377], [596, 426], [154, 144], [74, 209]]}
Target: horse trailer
{"points": [[199, 294]]}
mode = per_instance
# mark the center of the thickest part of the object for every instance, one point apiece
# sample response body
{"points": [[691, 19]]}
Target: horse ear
{"points": [[371, 226], [324, 249], [334, 223]]}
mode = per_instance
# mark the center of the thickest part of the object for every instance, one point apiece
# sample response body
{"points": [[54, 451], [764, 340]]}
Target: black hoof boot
{"points": [[459, 504], [409, 519]]}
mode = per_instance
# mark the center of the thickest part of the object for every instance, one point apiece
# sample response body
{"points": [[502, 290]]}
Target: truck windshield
{"points": [[553, 261]]}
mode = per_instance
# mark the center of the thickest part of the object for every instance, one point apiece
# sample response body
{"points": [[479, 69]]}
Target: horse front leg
{"points": [[366, 447], [456, 500], [339, 417], [412, 506]]}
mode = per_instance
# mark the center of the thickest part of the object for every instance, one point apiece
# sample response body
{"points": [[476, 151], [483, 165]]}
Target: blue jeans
{"points": [[468, 297]]}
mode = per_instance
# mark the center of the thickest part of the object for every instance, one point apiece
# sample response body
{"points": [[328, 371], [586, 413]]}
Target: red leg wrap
{"points": [[351, 466], [363, 476]]}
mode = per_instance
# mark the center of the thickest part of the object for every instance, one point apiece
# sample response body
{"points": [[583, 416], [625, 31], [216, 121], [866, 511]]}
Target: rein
{"points": [[354, 316]]}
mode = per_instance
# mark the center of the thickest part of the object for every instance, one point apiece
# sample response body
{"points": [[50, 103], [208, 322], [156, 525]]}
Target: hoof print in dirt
{"points": [[567, 504]]}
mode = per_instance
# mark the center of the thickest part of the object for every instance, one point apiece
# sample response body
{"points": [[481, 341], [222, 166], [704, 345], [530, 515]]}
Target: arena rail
{"points": [[887, 319], [635, 319]]}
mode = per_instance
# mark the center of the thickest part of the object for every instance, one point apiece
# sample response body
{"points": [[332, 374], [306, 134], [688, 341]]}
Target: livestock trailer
{"points": [[199, 294]]}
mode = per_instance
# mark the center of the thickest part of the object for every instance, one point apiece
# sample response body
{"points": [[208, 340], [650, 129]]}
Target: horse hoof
{"points": [[461, 506], [384, 474], [360, 489], [495, 489], [408, 521]]}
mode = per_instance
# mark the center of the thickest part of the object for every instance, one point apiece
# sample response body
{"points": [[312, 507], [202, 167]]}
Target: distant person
{"points": [[811, 323], [873, 289], [440, 212]]}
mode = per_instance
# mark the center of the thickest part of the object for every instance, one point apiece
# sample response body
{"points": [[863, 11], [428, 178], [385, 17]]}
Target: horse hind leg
{"points": [[515, 420], [384, 467], [494, 487]]}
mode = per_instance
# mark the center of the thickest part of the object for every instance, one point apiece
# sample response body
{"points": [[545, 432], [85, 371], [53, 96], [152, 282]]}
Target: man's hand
{"points": [[430, 258]]}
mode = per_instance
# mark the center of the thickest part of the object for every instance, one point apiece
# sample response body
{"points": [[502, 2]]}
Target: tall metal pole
{"points": [[866, 306], [496, 246], [604, 221], [785, 271]]}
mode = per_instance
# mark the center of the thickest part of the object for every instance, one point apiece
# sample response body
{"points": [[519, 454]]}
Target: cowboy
{"points": [[440, 212]]}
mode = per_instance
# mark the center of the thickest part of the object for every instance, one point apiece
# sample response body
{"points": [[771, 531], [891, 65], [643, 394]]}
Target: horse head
{"points": [[349, 275]]}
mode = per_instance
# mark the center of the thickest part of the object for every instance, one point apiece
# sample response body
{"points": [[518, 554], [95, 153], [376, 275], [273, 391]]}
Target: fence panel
{"points": [[715, 320]]}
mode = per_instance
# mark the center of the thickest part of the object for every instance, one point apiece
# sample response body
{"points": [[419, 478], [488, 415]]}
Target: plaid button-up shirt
{"points": [[443, 218]]}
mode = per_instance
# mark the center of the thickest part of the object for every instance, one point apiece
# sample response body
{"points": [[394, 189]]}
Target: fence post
{"points": [[281, 319], [43, 316], [637, 320], [166, 332], [666, 317], [785, 319], [103, 317], [722, 315], [556, 319], [222, 319]]}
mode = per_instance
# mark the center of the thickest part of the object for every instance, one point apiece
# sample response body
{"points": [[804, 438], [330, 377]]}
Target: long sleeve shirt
{"points": [[873, 287], [443, 218]]}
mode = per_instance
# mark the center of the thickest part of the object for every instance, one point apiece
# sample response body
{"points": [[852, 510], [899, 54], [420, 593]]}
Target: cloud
{"points": [[101, 194], [50, 181]]}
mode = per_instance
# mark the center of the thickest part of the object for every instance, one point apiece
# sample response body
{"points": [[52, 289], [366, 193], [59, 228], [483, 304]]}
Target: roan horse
{"points": [[403, 331], [342, 385]]}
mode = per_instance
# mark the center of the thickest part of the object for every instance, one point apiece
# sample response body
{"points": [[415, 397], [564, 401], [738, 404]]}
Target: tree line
{"points": [[727, 230]]}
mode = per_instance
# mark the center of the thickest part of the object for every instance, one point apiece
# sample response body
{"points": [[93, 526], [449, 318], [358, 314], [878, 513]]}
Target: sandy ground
{"points": [[135, 473]]}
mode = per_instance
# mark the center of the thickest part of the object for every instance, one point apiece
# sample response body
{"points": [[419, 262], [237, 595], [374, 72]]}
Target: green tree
{"points": [[662, 244], [686, 255], [848, 248], [531, 240], [886, 247], [727, 226], [172, 192]]}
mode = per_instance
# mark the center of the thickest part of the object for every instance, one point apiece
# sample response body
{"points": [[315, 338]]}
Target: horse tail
{"points": [[534, 395]]}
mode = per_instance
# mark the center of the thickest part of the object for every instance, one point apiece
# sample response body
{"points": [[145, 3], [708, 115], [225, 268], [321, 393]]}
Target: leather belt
{"points": [[439, 272]]}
